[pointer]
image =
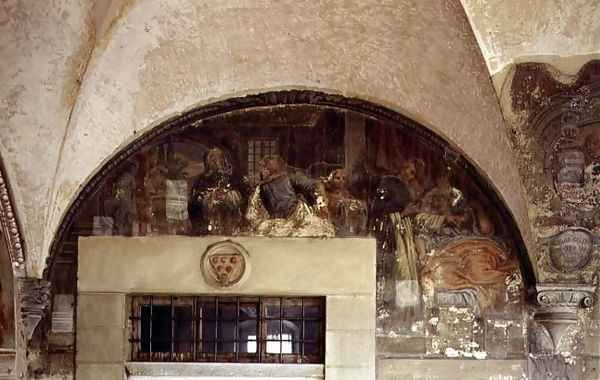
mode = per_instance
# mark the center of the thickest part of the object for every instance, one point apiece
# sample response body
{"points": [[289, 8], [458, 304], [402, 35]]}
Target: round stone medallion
{"points": [[224, 264]]}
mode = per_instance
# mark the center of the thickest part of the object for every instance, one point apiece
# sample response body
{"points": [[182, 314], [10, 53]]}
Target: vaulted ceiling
{"points": [[81, 78]]}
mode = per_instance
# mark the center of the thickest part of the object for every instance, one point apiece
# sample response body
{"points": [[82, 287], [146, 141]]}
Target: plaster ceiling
{"points": [[562, 33]]}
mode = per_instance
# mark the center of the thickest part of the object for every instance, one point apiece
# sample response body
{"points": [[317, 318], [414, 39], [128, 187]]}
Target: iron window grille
{"points": [[227, 329]]}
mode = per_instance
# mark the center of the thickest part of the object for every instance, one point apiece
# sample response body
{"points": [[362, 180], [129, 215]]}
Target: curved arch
{"points": [[279, 98], [12, 265], [9, 225]]}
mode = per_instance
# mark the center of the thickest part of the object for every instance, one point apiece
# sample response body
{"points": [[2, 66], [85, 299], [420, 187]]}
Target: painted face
{"points": [[408, 171], [440, 203], [215, 160], [269, 168], [592, 144], [339, 179]]}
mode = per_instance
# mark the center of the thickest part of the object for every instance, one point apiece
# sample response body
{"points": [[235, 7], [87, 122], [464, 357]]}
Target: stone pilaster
{"points": [[34, 299]]}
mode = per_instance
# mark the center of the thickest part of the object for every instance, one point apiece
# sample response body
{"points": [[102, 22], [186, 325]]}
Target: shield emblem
{"points": [[569, 174], [227, 268], [224, 264], [570, 166]]}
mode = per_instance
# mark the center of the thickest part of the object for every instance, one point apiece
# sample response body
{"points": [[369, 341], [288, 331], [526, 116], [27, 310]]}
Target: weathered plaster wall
{"points": [[550, 114], [563, 33], [44, 46], [161, 58]]}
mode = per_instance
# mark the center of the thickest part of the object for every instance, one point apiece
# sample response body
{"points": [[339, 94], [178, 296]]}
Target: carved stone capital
{"points": [[557, 314], [565, 297], [34, 300]]}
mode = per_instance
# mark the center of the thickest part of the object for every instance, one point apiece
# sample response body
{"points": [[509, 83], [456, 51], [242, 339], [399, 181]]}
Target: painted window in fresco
{"points": [[448, 279]]}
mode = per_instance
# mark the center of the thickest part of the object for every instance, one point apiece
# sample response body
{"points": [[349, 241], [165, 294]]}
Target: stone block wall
{"points": [[111, 268]]}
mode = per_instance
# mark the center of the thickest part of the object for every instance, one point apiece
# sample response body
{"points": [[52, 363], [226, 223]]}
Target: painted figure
{"points": [[216, 203], [412, 173], [454, 252], [348, 214], [471, 264], [287, 204], [398, 291], [121, 205]]}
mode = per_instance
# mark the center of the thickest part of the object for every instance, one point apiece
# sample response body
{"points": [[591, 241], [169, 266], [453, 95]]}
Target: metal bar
{"points": [[280, 329], [236, 344], [303, 330], [259, 332], [133, 328], [321, 336], [216, 327], [172, 329], [151, 316], [195, 328]]}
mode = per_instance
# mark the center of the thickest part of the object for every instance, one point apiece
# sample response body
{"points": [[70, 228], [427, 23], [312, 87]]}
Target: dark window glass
{"points": [[228, 329]]}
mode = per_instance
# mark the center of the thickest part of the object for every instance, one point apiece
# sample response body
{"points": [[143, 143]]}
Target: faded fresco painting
{"points": [[448, 278]]}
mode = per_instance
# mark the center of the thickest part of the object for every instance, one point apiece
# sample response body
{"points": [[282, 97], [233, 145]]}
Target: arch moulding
{"points": [[11, 229]]}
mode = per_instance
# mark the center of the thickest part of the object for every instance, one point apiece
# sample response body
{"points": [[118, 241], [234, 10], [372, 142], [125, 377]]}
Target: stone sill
{"points": [[146, 371]]}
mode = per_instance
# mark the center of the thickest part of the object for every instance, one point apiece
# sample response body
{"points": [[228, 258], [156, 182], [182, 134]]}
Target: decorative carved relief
{"points": [[555, 332], [540, 340], [571, 249], [224, 264], [572, 297], [557, 136], [34, 300], [558, 315], [10, 227], [551, 367]]}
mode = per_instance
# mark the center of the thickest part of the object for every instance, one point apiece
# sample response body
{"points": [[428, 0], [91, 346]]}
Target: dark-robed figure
{"points": [[215, 206]]}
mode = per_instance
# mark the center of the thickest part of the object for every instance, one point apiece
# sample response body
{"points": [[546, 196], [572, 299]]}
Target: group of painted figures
{"points": [[441, 250], [280, 202], [434, 245]]}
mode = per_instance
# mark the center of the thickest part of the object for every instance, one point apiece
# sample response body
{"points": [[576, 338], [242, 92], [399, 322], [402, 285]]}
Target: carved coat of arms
{"points": [[571, 250], [224, 264]]}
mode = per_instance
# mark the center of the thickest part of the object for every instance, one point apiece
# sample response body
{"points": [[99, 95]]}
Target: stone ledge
{"points": [[451, 369], [226, 370]]}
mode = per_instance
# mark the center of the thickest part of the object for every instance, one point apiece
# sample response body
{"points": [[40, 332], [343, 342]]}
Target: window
{"points": [[257, 150], [228, 329]]}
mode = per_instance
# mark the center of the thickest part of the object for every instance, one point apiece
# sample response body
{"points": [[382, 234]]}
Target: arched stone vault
{"points": [[160, 59]]}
